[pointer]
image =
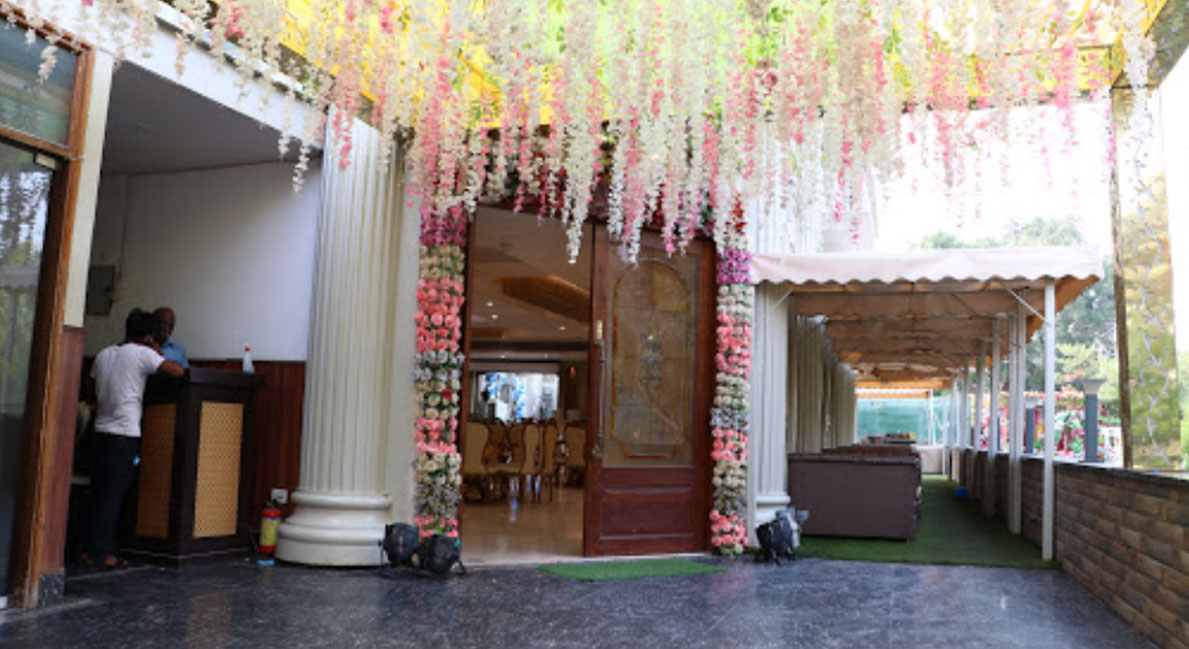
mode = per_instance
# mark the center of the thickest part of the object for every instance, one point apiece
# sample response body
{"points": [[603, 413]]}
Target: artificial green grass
{"points": [[607, 570], [950, 532]]}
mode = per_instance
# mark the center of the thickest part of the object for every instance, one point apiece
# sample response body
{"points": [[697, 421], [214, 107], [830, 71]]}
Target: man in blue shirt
{"points": [[170, 349]]}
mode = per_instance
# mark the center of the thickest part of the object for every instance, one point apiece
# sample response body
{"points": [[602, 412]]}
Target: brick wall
{"points": [[1032, 497], [1002, 488], [1125, 536]]}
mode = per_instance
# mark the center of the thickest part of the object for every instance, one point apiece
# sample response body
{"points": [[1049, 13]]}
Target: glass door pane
{"points": [[652, 363], [24, 204]]}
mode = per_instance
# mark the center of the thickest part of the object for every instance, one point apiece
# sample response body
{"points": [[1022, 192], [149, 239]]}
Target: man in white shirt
{"points": [[120, 372]]}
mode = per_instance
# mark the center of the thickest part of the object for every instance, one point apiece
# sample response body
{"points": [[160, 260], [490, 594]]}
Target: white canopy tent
{"points": [[898, 317]]}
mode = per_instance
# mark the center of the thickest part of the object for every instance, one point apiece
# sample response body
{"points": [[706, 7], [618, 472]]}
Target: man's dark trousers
{"points": [[113, 470]]}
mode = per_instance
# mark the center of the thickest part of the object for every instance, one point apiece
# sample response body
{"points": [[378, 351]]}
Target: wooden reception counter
{"points": [[192, 498]]}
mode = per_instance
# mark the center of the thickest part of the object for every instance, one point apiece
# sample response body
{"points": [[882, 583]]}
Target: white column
{"points": [[1012, 422], [981, 391], [1050, 417], [341, 504], [989, 485], [951, 431], [767, 462], [1020, 328], [793, 440], [993, 430], [963, 436], [932, 423]]}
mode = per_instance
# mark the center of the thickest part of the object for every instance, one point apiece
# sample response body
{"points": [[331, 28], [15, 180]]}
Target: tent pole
{"points": [[981, 372], [993, 432], [951, 431], [1050, 415], [1021, 388], [1013, 433], [932, 424], [990, 484]]}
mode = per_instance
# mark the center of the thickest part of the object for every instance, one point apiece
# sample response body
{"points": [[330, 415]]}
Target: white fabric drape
{"points": [[821, 401]]}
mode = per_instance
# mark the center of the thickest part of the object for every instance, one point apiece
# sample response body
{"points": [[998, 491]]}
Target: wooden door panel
{"points": [[648, 512], [651, 376]]}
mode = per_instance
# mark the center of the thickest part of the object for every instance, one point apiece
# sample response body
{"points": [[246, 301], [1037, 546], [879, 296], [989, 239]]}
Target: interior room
{"points": [[197, 211], [524, 441]]}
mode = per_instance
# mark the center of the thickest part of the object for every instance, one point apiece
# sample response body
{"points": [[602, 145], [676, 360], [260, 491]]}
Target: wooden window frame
{"points": [[51, 399]]}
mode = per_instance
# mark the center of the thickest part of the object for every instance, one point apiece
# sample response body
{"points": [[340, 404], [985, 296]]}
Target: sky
{"points": [[1070, 180]]}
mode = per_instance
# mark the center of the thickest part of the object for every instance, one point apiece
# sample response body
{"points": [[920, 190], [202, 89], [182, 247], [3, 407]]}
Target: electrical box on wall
{"points": [[101, 286]]}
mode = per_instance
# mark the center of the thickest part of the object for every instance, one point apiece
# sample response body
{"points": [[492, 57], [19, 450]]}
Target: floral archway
{"points": [[681, 109]]}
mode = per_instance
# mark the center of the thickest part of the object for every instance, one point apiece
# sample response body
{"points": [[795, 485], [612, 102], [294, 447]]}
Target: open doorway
{"points": [[527, 391], [589, 387], [196, 212]]}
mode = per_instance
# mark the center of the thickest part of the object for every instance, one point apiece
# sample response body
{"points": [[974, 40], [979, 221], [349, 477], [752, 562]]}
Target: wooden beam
{"points": [[914, 384], [925, 344], [918, 306], [919, 358], [965, 328]]}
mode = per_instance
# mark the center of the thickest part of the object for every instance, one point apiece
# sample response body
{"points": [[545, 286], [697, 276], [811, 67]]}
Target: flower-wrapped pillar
{"points": [[729, 418], [341, 505], [438, 374]]}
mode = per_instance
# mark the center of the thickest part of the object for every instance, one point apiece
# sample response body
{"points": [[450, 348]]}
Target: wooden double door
{"points": [[651, 384]]}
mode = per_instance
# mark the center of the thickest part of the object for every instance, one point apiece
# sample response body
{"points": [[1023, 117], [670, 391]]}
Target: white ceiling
{"points": [[507, 244], [155, 125]]}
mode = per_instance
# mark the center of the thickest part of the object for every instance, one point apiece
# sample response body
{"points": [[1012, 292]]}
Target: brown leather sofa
{"points": [[880, 450], [857, 495]]}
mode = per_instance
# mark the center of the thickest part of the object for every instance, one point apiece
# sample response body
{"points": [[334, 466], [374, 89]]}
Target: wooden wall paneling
{"points": [[276, 448]]}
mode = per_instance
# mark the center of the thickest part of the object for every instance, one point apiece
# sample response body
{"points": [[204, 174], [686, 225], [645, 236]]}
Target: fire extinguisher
{"points": [[270, 518]]}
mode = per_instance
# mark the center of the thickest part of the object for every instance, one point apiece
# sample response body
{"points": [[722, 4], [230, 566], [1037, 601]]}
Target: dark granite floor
{"points": [[811, 603]]}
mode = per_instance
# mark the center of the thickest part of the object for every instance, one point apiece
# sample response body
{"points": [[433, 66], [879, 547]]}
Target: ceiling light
{"points": [[561, 328], [495, 316], [491, 304]]}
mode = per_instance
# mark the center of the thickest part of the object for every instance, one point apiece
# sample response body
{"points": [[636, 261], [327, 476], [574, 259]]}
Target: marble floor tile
{"points": [[519, 531], [810, 603]]}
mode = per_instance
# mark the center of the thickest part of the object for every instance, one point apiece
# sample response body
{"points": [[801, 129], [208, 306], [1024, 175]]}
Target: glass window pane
{"points": [[40, 108], [24, 203]]}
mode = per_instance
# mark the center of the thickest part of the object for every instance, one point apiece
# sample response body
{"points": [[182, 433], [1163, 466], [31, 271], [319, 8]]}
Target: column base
{"points": [[768, 504], [334, 529]]}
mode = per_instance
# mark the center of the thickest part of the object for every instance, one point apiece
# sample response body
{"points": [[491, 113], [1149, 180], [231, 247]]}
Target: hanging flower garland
{"points": [[729, 417], [692, 102], [438, 372]]}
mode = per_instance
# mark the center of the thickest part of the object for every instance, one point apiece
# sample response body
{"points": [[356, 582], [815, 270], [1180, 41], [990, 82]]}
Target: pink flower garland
{"points": [[438, 365], [729, 416]]}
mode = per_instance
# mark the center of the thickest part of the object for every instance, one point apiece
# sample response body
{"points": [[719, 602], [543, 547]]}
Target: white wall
{"points": [[231, 250]]}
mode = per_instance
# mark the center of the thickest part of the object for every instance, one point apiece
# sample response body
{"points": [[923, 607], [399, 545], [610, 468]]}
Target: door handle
{"points": [[596, 450]]}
